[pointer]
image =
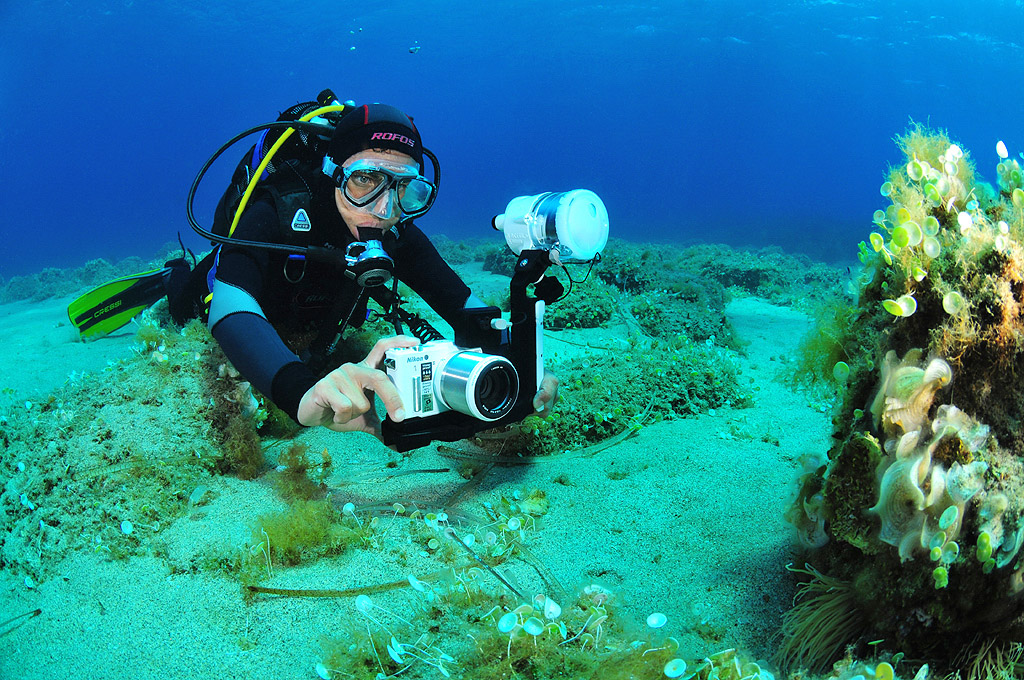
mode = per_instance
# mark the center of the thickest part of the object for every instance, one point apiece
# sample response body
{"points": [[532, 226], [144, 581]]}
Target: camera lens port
{"points": [[484, 386]]}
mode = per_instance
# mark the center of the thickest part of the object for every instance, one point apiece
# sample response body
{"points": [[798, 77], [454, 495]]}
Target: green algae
{"points": [[106, 441], [600, 393], [692, 376]]}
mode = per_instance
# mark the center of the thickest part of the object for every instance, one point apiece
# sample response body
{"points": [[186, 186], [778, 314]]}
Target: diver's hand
{"points": [[343, 399], [547, 395]]}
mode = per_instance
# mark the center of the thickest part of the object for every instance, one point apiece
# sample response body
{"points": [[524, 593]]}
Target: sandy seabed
{"points": [[685, 518]]}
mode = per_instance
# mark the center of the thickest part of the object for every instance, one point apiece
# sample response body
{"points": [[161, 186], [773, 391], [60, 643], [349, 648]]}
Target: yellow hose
{"points": [[270, 154]]}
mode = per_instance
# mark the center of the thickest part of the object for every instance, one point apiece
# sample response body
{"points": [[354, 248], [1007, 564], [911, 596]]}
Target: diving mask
{"points": [[378, 186]]}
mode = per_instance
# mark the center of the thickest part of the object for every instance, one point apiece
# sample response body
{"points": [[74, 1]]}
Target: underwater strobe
{"points": [[571, 225], [453, 393]]}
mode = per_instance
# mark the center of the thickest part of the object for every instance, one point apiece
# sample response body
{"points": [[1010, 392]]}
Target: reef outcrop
{"points": [[920, 512]]}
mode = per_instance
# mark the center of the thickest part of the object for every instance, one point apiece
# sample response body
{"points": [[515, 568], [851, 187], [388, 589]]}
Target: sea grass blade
{"points": [[451, 534], [347, 592], [542, 571], [21, 618], [328, 592], [464, 489]]}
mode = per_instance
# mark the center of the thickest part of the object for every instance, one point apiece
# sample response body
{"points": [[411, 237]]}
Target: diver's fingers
{"points": [[376, 356], [548, 392], [343, 400], [333, 400], [345, 394], [380, 384]]}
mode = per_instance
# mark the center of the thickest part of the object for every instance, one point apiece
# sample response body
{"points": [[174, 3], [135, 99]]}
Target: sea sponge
{"points": [[900, 504], [945, 515], [913, 391], [964, 481], [812, 532], [916, 495], [951, 420], [808, 515], [921, 503], [808, 511], [906, 391]]}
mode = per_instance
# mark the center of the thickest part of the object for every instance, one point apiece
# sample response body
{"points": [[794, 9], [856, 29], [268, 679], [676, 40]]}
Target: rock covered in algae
{"points": [[924, 490]]}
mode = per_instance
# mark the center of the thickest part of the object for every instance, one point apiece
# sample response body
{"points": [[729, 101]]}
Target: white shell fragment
{"points": [[656, 620]]}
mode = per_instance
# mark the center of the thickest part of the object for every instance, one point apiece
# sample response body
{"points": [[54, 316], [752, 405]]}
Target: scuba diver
{"points": [[279, 316]]}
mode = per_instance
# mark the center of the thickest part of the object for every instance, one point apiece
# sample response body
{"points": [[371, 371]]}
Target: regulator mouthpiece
{"points": [[368, 264], [574, 223]]}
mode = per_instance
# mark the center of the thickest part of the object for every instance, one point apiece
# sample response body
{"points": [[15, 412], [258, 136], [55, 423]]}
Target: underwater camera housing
{"points": [[438, 376], [452, 393]]}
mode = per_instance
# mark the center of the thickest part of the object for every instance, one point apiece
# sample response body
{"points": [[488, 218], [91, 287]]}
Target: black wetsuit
{"points": [[293, 299]]}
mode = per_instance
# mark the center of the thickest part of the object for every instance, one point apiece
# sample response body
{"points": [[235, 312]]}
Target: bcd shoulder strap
{"points": [[291, 191], [290, 174]]}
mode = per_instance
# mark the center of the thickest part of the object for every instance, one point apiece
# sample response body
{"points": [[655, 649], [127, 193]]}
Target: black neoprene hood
{"points": [[375, 126]]}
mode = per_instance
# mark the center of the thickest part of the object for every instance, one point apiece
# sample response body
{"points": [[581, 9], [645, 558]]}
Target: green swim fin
{"points": [[108, 307]]}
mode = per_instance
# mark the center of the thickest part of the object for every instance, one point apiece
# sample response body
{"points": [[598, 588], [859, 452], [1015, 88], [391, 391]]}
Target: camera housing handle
{"points": [[524, 350]]}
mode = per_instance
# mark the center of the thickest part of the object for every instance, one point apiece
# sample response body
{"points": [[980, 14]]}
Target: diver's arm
{"points": [[341, 400], [237, 319], [253, 346]]}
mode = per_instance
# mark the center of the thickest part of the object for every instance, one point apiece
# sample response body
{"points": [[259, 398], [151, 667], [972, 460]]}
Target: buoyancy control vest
{"points": [[290, 180]]}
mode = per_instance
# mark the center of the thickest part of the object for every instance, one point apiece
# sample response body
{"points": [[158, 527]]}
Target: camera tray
{"points": [[524, 349]]}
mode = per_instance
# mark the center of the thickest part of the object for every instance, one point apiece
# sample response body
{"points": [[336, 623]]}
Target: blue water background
{"points": [[750, 123]]}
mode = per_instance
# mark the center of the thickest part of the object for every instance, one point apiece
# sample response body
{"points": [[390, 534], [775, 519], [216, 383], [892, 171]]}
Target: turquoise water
{"points": [[751, 124]]}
